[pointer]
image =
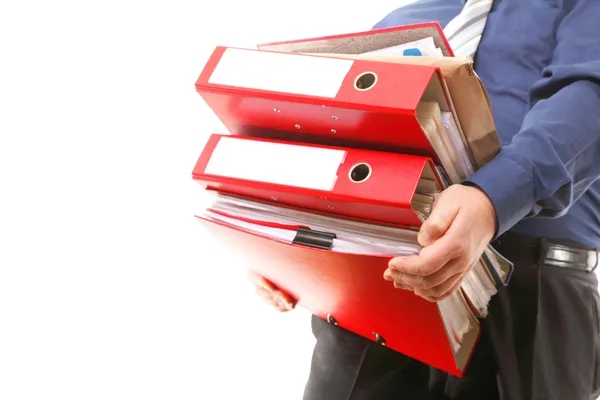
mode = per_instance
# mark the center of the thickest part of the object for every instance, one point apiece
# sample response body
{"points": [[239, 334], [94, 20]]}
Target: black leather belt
{"points": [[560, 255], [547, 251]]}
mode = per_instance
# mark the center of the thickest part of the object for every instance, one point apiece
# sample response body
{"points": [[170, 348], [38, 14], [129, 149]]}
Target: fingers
{"points": [[394, 276], [283, 301], [440, 292], [434, 287], [283, 305], [276, 299], [260, 282], [437, 224], [436, 293], [271, 295], [454, 267], [448, 293], [431, 258]]}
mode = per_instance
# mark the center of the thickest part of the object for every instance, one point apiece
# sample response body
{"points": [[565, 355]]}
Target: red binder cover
{"points": [[349, 291], [362, 42], [363, 184], [319, 99]]}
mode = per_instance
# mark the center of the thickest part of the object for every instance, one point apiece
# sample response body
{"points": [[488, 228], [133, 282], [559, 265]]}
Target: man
{"points": [[538, 202]]}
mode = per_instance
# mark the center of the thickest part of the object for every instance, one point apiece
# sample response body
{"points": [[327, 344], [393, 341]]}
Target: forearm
{"points": [[552, 160]]}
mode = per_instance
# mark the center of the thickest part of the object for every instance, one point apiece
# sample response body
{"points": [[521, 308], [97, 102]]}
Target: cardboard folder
{"points": [[367, 41]]}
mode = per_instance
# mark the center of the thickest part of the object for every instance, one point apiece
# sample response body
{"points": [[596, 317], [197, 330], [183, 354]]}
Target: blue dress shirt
{"points": [[540, 63]]}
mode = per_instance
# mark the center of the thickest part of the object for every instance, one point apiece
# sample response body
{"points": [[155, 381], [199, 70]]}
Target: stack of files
{"points": [[452, 154], [322, 222], [331, 166], [375, 105]]}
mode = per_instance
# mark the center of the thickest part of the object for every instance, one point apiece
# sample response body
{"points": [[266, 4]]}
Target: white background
{"points": [[108, 288]]}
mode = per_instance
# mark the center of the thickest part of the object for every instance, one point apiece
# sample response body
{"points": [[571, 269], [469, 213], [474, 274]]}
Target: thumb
{"points": [[437, 224]]}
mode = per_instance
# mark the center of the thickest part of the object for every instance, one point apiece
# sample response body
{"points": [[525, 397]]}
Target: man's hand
{"points": [[461, 225], [272, 295]]}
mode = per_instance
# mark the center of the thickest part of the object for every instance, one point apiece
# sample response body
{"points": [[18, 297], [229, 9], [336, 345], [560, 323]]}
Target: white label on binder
{"points": [[278, 163], [287, 73]]}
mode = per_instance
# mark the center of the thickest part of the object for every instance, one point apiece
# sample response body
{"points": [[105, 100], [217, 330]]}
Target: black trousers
{"points": [[540, 341]]}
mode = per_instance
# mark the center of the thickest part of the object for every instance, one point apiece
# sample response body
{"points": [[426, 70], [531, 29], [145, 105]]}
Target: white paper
{"points": [[278, 72], [456, 319], [277, 163], [466, 166], [352, 230], [339, 245]]}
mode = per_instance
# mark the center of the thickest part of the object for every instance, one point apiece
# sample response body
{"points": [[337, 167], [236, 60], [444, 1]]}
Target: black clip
{"points": [[311, 238]]}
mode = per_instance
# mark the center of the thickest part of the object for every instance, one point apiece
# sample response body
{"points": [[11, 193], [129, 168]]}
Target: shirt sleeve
{"points": [[555, 156]]}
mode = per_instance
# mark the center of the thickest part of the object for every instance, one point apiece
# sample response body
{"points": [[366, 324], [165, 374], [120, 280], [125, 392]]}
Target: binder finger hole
{"points": [[365, 81], [360, 173]]}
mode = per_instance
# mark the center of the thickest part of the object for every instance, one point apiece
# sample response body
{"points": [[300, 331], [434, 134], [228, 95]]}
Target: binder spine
{"points": [[312, 238]]}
